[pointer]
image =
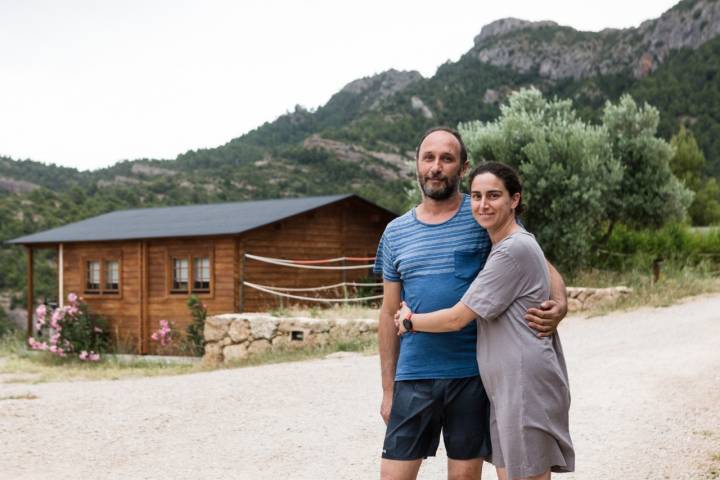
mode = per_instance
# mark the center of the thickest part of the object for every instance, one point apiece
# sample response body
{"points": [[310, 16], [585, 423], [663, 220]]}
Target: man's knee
{"points": [[464, 469], [399, 469]]}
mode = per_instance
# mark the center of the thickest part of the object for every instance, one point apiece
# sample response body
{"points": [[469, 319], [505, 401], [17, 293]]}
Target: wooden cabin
{"points": [[136, 267]]}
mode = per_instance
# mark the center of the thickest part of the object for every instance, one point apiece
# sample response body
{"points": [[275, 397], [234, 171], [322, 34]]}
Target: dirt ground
{"points": [[646, 405]]}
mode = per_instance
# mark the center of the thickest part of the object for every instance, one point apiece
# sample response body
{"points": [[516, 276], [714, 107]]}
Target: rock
{"points": [[16, 186], [503, 26], [372, 325], [574, 305], [585, 293], [282, 340], [357, 154], [144, 169], [215, 328], [225, 341], [213, 353], [235, 352], [259, 346], [314, 325], [263, 327], [319, 339], [378, 87], [491, 96], [417, 104], [239, 330], [18, 317], [645, 66], [559, 52], [573, 292]]}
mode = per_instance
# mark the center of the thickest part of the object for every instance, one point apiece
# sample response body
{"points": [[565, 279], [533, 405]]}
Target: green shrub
{"points": [[675, 243], [5, 325], [649, 195], [195, 336]]}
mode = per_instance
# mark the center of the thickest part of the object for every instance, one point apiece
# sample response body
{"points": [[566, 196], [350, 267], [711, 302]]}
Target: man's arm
{"points": [[388, 343], [546, 318]]}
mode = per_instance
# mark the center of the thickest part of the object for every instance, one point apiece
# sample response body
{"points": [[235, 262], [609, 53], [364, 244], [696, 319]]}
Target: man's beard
{"points": [[443, 193]]}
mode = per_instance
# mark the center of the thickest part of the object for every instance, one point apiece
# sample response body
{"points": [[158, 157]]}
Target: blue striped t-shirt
{"points": [[436, 263]]}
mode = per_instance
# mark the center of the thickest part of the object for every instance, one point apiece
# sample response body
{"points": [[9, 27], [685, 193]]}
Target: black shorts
{"points": [[422, 408]]}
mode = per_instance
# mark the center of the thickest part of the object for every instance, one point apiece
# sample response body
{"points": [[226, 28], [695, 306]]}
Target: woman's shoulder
{"points": [[520, 245]]}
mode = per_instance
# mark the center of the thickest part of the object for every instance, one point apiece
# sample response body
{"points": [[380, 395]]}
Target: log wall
{"points": [[349, 228]]}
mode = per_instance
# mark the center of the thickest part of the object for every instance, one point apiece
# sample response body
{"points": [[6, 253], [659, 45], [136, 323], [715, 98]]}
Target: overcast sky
{"points": [[88, 83]]}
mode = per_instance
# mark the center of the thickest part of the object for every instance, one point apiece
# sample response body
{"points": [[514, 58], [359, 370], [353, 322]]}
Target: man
{"points": [[428, 257]]}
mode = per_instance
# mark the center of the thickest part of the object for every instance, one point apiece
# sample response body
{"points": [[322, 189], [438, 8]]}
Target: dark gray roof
{"points": [[186, 221]]}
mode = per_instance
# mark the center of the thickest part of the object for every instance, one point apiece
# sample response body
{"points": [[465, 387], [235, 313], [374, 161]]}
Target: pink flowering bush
{"points": [[70, 330], [165, 337]]}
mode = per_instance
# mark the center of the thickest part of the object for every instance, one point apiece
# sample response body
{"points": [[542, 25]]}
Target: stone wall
{"points": [[236, 336], [16, 316], [582, 298]]}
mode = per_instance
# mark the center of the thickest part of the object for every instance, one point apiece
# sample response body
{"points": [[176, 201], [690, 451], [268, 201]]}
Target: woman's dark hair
{"points": [[451, 131], [506, 173]]}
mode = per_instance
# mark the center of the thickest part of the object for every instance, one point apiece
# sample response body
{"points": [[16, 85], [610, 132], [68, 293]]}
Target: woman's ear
{"points": [[515, 200]]}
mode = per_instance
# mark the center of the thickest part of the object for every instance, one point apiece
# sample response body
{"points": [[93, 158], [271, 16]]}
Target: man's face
{"points": [[439, 168]]}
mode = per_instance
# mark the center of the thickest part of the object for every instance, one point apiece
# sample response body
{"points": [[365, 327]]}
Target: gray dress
{"points": [[524, 376]]}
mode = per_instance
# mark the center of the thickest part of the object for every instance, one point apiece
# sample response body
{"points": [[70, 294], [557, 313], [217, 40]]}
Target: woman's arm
{"points": [[445, 320], [545, 318]]}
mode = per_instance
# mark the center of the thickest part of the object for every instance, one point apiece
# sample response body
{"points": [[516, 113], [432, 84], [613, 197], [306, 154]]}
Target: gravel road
{"points": [[646, 405]]}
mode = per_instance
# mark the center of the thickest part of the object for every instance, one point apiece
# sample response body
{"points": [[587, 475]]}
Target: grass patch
{"points": [[25, 366], [31, 367], [280, 355], [24, 396], [676, 283], [713, 467]]}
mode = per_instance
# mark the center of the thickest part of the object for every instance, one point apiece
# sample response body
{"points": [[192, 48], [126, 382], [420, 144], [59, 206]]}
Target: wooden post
{"points": [[656, 269], [236, 274], [61, 276], [343, 248], [143, 347], [30, 287], [242, 282]]}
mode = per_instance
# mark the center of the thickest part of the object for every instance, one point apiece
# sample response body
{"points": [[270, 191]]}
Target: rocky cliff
{"points": [[557, 52]]}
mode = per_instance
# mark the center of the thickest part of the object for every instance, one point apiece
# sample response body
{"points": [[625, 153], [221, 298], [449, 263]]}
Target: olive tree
{"points": [[649, 195], [567, 166], [688, 164]]}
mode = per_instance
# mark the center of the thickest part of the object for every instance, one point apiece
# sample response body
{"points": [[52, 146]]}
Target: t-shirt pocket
{"points": [[468, 263]]}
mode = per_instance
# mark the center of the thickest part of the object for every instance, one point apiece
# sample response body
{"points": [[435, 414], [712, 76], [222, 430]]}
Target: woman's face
{"points": [[492, 205]]}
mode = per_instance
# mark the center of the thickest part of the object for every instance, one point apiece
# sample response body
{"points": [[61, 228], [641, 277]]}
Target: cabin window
{"points": [[190, 273], [201, 274], [112, 275], [92, 283], [180, 274], [102, 276]]}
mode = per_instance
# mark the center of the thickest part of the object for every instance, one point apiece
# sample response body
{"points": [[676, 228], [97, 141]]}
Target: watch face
{"points": [[407, 324]]}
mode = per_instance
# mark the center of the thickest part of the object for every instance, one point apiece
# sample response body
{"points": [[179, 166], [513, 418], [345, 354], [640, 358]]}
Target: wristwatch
{"points": [[407, 322]]}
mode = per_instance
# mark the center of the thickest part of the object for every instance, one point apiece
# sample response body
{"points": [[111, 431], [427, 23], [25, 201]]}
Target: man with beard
{"points": [[429, 257]]}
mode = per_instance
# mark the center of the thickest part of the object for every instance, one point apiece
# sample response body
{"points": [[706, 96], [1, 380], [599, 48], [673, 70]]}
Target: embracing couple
{"points": [[467, 328]]}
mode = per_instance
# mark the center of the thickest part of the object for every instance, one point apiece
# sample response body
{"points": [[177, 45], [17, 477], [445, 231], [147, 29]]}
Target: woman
{"points": [[524, 375]]}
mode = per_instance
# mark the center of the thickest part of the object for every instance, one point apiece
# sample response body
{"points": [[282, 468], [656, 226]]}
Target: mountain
{"points": [[362, 140]]}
